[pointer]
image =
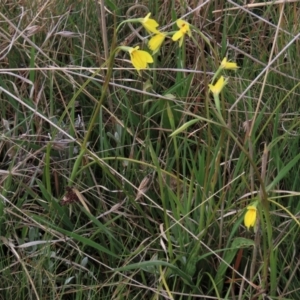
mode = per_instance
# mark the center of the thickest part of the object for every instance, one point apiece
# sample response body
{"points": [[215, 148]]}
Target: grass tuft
{"points": [[118, 184]]}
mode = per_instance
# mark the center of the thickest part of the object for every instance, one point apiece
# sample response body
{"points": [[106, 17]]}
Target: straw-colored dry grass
{"points": [[120, 186]]}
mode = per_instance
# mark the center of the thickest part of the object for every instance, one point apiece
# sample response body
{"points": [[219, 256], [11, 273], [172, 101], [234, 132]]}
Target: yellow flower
{"points": [[139, 58], [250, 216], [184, 28], [156, 41], [149, 24], [218, 86], [228, 65]]}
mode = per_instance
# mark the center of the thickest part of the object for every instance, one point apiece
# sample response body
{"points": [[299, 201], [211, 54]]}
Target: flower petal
{"points": [[181, 41], [250, 217], [180, 23], [184, 28], [147, 17], [218, 86], [140, 58], [228, 65], [149, 24], [131, 50], [177, 35], [156, 42]]}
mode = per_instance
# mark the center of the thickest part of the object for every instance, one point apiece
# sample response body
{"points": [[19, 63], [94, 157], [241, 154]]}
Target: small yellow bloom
{"points": [[228, 65], [250, 216], [184, 28], [149, 24], [156, 41], [139, 58], [218, 86]]}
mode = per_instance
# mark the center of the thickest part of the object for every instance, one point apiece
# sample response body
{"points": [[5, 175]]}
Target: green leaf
{"points": [[183, 127], [237, 244], [151, 263], [283, 172], [85, 241]]}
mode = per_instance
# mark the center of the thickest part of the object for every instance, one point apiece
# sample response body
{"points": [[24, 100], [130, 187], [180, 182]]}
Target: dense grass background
{"points": [[143, 196]]}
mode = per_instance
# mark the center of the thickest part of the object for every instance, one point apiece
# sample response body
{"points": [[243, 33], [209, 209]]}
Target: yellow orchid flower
{"points": [[139, 58], [156, 42], [184, 28], [218, 86], [149, 24], [228, 65], [250, 216]]}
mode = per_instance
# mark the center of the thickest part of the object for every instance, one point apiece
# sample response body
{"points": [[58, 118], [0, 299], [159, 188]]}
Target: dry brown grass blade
{"points": [[81, 198], [144, 186], [13, 250]]}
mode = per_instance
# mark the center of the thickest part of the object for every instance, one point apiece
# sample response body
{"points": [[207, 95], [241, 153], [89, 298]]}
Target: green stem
{"points": [[95, 116], [217, 103]]}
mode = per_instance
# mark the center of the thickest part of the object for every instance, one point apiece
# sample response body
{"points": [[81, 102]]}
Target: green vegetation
{"points": [[126, 184]]}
